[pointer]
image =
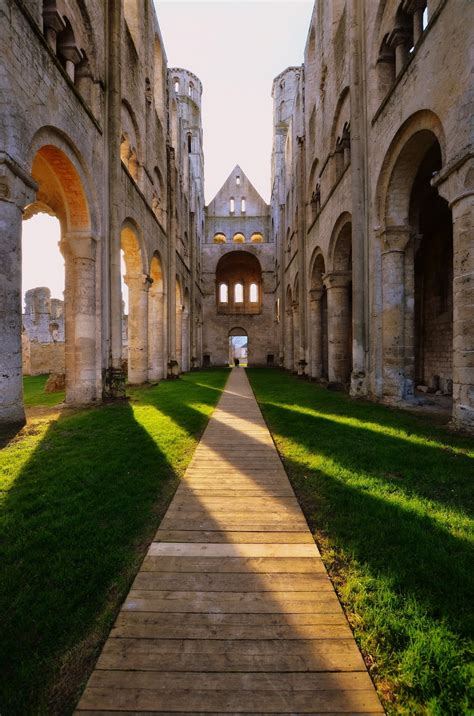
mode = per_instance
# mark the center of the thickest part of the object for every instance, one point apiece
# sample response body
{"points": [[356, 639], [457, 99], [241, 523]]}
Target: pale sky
{"points": [[236, 48]]}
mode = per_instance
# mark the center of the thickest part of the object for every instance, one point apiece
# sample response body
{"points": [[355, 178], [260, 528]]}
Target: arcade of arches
{"points": [[366, 247]]}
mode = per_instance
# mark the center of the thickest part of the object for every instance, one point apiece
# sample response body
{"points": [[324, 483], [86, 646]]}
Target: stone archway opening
{"points": [[43, 283], [338, 283], [431, 219], [238, 347], [318, 311], [135, 287], [61, 194], [417, 277]]}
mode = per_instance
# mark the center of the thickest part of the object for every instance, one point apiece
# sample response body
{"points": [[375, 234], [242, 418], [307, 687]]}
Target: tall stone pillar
{"points": [[394, 242], [112, 294], [171, 282], [339, 326], [456, 185], [315, 337], [138, 288], [79, 251], [156, 337], [289, 350], [296, 337], [359, 189], [16, 190]]}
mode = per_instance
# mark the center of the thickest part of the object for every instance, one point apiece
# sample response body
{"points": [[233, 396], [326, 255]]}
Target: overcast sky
{"points": [[236, 49]]}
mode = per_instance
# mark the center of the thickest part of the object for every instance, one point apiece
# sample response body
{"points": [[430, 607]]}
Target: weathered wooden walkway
{"points": [[232, 611]]}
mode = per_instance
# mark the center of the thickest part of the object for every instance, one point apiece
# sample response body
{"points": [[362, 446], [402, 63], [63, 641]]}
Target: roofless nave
{"points": [[359, 273]]}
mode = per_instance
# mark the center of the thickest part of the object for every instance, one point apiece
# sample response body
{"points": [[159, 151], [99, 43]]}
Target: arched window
{"points": [[237, 180], [219, 238], [190, 90], [238, 293], [223, 293], [239, 238], [242, 206], [253, 293], [190, 143], [256, 238], [231, 205], [176, 85]]}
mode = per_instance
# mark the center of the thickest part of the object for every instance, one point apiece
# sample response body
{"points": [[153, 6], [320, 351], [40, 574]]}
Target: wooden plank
{"points": [[238, 661], [194, 701], [176, 549], [235, 537], [215, 565], [317, 681], [181, 630], [208, 582]]}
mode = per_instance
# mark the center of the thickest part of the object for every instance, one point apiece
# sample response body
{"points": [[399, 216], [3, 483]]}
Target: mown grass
{"points": [[34, 394], [81, 497], [389, 496]]}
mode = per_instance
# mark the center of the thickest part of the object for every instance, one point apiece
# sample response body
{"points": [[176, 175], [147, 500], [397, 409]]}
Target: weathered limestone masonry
{"points": [[238, 270], [94, 129], [372, 199], [43, 333]]}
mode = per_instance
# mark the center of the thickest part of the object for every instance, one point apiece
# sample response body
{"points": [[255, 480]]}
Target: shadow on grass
{"points": [[74, 527], [396, 511]]}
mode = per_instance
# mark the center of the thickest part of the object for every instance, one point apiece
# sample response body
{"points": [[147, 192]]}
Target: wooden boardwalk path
{"points": [[232, 611]]}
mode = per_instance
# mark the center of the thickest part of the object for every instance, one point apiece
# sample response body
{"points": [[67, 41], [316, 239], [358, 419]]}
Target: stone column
{"points": [[355, 151], [112, 292], [394, 242], [186, 341], [315, 327], [289, 350], [171, 276], [156, 338], [52, 25], [339, 326], [296, 337], [456, 185], [399, 40], [138, 288], [16, 190], [179, 338], [79, 251]]}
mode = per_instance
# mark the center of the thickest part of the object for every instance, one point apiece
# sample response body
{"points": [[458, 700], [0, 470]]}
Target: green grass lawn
{"points": [[81, 497], [389, 496], [34, 395]]}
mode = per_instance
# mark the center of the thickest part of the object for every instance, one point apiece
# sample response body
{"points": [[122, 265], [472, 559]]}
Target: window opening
{"points": [[223, 293], [238, 293]]}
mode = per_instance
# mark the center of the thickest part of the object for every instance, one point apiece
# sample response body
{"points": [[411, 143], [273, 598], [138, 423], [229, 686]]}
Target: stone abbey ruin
{"points": [[360, 272]]}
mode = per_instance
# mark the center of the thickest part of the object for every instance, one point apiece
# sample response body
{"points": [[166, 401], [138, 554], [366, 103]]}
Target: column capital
{"points": [[337, 279], [455, 181], [79, 245], [16, 185], [394, 238], [139, 282], [316, 294]]}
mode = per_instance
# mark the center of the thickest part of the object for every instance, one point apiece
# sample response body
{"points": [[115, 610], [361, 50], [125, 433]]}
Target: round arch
{"points": [[62, 192], [157, 319]]}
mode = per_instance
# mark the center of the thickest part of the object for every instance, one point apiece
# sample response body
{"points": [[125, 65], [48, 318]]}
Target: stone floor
{"points": [[232, 611]]}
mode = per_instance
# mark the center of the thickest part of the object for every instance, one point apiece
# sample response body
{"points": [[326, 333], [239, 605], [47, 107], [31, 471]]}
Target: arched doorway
{"points": [[417, 266], [431, 218], [238, 347], [338, 283], [61, 193], [138, 284], [318, 338]]}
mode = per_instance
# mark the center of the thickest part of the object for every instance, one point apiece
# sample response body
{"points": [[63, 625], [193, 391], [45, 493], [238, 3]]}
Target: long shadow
{"points": [[86, 502], [441, 470]]}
